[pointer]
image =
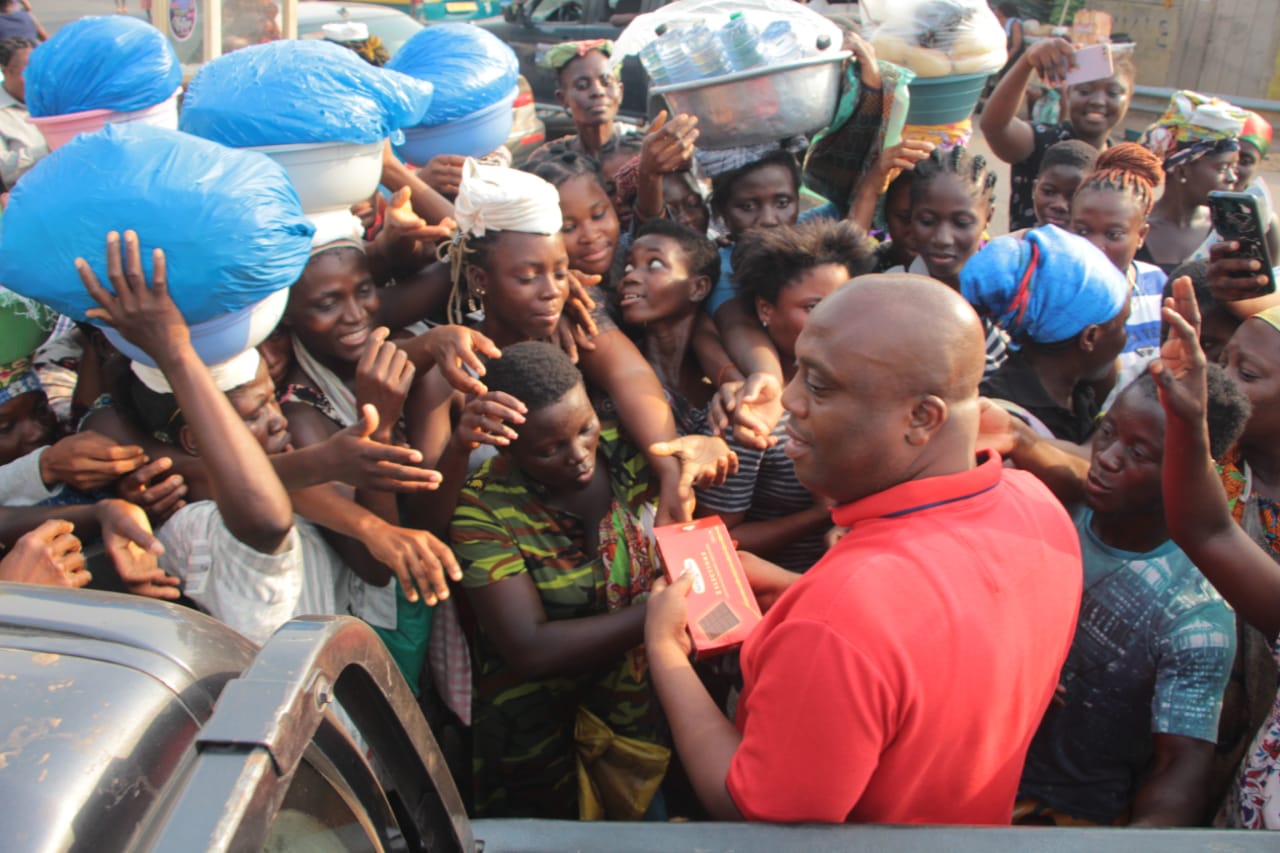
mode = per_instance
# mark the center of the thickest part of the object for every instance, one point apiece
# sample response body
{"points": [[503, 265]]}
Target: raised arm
{"points": [[250, 497], [1012, 139], [1195, 505]]}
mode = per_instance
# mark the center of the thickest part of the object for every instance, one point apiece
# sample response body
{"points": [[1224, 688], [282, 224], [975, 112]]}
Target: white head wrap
{"points": [[491, 198], [336, 228], [346, 31], [229, 375]]}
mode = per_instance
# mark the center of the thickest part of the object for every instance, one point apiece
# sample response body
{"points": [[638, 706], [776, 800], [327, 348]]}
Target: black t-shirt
{"points": [[1016, 381]]}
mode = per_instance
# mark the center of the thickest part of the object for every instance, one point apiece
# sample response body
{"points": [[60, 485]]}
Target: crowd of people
{"points": [[1007, 501]]}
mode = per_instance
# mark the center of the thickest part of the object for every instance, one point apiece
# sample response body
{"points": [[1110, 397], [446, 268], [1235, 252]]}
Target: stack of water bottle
{"points": [[682, 53]]}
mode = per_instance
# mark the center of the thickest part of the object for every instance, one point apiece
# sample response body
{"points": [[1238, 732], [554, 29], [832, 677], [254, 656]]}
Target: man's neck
{"points": [[1138, 532]]}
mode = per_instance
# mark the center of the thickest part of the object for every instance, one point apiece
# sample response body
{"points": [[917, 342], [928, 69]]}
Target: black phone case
{"points": [[1236, 217]]}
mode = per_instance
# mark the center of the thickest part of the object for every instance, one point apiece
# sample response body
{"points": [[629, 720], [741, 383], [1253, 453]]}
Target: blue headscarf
{"points": [[1045, 287]]}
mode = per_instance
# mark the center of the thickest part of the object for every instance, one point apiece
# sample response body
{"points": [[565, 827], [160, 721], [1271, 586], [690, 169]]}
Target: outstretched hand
{"points": [[456, 351], [50, 555], [751, 409], [704, 461], [364, 462], [143, 314], [1181, 369], [384, 376]]}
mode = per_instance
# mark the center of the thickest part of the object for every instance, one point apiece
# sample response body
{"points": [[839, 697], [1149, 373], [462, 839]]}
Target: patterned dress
{"points": [[522, 731], [1257, 793]]}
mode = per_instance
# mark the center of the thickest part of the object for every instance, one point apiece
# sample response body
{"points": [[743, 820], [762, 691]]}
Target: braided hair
{"points": [[561, 167], [958, 161], [1130, 169]]}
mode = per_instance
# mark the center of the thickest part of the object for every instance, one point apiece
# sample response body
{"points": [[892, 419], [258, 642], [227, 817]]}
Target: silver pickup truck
{"points": [[128, 724]]}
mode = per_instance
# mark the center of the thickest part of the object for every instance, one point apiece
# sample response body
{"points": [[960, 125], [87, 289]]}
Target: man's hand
{"points": [[127, 537], [88, 461], [484, 421], [453, 349], [49, 555], [366, 463], [144, 315], [666, 618], [149, 488], [1181, 370], [384, 376], [419, 560], [752, 408]]}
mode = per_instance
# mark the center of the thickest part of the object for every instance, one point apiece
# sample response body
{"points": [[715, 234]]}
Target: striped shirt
{"points": [[766, 488], [253, 592]]}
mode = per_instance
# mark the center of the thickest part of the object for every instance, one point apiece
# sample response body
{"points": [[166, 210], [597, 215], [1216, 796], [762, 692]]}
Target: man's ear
{"points": [[927, 417], [187, 440], [699, 288]]}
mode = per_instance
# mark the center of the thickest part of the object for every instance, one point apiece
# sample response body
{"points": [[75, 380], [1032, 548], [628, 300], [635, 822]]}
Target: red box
{"points": [[722, 607]]}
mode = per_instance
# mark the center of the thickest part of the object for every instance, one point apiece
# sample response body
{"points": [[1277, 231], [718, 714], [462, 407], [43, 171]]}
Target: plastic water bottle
{"points": [[665, 58], [739, 41], [778, 43], [705, 52]]}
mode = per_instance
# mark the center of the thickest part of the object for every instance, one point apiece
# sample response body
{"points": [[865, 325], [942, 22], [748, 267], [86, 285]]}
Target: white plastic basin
{"points": [[329, 175]]}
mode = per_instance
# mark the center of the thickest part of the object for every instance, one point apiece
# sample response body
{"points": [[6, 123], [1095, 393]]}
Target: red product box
{"points": [[722, 607]]}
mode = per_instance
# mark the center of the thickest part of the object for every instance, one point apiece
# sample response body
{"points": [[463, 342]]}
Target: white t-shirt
{"points": [[254, 593]]}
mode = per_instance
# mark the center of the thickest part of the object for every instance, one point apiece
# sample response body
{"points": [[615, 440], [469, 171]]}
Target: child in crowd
{"points": [[1131, 739], [1093, 110], [1063, 167]]}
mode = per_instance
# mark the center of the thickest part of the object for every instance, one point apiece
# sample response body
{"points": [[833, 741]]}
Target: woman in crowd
{"points": [[589, 90], [1062, 168], [1198, 142], [554, 536], [782, 274], [1064, 306], [1093, 110], [21, 144]]}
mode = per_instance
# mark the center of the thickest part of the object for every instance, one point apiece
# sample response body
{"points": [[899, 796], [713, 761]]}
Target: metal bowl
{"points": [[761, 104]]}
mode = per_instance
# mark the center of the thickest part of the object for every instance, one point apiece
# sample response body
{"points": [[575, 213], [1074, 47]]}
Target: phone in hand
{"points": [[1092, 63], [1237, 217]]}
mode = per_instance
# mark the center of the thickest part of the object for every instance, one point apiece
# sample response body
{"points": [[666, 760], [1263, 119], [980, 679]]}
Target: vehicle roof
{"points": [[102, 697]]}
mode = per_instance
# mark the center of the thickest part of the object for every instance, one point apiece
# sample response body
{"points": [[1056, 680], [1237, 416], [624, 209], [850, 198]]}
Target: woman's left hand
{"points": [[383, 379], [400, 222]]}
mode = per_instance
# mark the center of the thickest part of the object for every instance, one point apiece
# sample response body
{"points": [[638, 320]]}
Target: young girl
{"points": [[952, 196], [783, 274], [1093, 110], [509, 258], [1063, 168], [1110, 211], [554, 536]]}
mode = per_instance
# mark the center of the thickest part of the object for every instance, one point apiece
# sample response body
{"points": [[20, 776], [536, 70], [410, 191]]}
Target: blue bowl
{"points": [[474, 135], [944, 100]]}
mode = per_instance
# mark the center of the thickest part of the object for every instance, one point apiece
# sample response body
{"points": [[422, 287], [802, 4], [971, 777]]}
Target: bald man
{"points": [[902, 677]]}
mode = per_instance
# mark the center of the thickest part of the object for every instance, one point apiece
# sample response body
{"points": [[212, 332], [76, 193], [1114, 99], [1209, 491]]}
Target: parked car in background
{"points": [[434, 11], [395, 28], [136, 725]]}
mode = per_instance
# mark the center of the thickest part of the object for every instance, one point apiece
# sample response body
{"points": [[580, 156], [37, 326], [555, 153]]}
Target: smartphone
{"points": [[1092, 63], [1236, 216]]}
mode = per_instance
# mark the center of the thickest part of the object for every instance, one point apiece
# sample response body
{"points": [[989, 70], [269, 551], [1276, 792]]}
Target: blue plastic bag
{"points": [[288, 92], [229, 221], [470, 68], [113, 62]]}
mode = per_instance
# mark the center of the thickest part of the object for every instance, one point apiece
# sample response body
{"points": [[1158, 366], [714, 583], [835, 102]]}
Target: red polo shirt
{"points": [[901, 679]]}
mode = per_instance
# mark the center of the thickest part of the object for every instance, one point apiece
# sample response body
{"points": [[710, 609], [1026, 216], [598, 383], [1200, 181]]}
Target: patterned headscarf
{"points": [[557, 56], [18, 378], [1257, 131], [1192, 126]]}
